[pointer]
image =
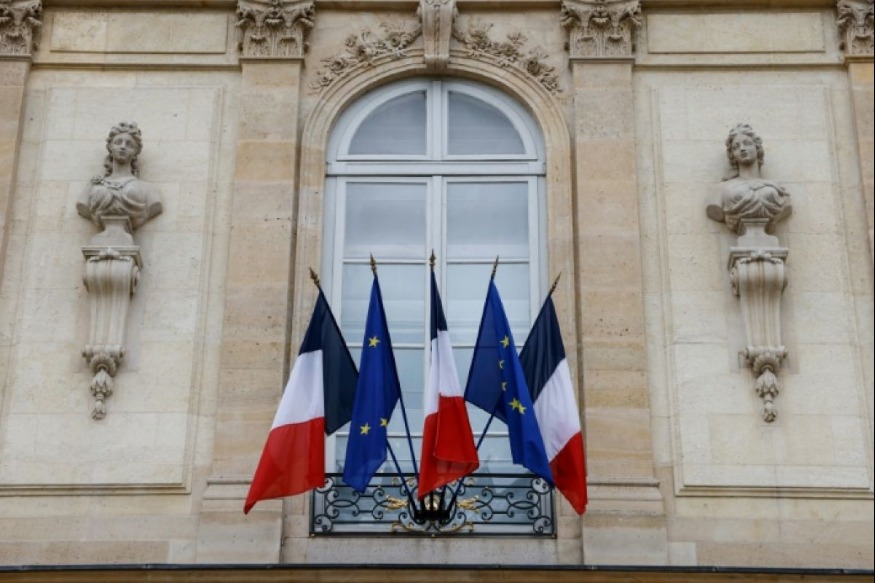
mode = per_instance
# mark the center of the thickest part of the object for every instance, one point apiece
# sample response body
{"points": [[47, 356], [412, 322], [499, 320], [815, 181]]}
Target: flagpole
{"points": [[400, 397]]}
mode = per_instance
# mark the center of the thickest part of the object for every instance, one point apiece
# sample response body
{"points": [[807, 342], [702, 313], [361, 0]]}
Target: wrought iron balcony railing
{"points": [[486, 504]]}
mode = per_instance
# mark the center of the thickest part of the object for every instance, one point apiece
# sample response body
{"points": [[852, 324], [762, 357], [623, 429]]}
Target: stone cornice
{"points": [[364, 5]]}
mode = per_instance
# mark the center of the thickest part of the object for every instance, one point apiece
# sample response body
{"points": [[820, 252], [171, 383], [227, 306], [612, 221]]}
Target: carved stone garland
{"points": [[751, 207], [20, 23], [117, 203], [855, 22], [277, 31], [601, 29]]}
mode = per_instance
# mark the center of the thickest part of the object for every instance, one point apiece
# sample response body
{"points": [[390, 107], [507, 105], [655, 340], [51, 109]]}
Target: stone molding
{"points": [[854, 19], [276, 31], [437, 18], [601, 29], [20, 24]]}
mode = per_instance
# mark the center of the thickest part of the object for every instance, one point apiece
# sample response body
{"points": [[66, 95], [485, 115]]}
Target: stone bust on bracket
{"points": [[118, 202], [744, 194]]}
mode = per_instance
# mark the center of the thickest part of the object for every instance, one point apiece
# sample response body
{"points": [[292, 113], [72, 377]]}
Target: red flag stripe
{"points": [[569, 473]]}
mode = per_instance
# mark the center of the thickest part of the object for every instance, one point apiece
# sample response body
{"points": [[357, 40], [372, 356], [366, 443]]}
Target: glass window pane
{"points": [[403, 288], [486, 219], [386, 219], [466, 292], [396, 127], [476, 128]]}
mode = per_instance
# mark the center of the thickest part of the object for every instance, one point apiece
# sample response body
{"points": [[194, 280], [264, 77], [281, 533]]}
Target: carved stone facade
{"points": [[20, 24], [601, 29], [437, 28], [276, 31], [855, 22]]}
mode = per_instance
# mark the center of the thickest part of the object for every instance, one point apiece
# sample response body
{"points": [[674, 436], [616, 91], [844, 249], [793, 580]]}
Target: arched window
{"points": [[424, 165]]}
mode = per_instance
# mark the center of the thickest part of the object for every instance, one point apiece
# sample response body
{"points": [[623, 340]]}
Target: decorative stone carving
{"points": [[364, 49], [20, 23], [751, 207], [437, 18], [276, 31], [508, 53], [117, 202], [600, 29], [855, 22]]}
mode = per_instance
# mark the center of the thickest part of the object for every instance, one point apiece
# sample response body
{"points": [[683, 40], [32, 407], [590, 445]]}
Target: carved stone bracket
{"points": [[275, 31], [111, 275], [601, 29], [855, 22], [20, 24], [437, 28], [758, 279]]}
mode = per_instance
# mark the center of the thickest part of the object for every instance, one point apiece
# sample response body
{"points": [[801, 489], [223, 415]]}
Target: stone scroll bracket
{"points": [[437, 18], [275, 29], [601, 29], [20, 24]]}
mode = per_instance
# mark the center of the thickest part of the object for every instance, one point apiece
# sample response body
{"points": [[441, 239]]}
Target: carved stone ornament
{"points": [[508, 53], [277, 30], [437, 18], [20, 24], [750, 207], [855, 22], [601, 29], [117, 202]]}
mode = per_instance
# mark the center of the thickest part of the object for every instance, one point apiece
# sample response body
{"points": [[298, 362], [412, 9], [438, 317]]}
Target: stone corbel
{"points": [[437, 28], [855, 21], [277, 30], [601, 29], [20, 23]]}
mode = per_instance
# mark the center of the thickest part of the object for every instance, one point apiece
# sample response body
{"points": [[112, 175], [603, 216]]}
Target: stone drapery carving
{"points": [[855, 22], [437, 28], [508, 53], [750, 207], [276, 31], [117, 202], [600, 29], [20, 23]]}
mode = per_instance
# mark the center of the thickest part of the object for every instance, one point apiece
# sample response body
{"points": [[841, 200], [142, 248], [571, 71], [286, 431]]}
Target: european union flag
{"points": [[376, 394], [497, 384]]}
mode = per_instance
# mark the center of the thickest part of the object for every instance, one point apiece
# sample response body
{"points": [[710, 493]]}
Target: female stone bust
{"points": [[119, 201], [745, 195]]}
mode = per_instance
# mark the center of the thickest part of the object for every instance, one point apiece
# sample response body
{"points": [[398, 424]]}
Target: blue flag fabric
{"points": [[497, 384], [376, 394]]}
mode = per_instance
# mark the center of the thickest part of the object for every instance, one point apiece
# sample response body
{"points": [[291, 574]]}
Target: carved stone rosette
{"points": [[855, 22], [20, 23], [601, 29], [111, 275], [437, 18], [275, 31]]}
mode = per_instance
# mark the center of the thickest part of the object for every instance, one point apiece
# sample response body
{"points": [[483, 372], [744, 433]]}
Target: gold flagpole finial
{"points": [[373, 265], [555, 283], [315, 278], [494, 267], [432, 259]]}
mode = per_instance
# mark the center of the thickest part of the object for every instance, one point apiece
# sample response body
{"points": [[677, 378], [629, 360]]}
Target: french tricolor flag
{"points": [[317, 402], [549, 380], [448, 451]]}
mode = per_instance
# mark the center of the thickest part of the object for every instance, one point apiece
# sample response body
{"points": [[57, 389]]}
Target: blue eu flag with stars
{"points": [[497, 384], [377, 392]]}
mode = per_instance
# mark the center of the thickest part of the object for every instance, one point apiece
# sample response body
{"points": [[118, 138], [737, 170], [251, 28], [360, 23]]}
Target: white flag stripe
{"points": [[442, 376], [303, 399], [556, 411]]}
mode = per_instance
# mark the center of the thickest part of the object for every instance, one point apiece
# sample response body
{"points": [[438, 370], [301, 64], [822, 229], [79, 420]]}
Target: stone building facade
{"points": [[724, 368]]}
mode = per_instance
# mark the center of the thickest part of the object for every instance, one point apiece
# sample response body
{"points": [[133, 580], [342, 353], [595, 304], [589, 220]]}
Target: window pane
{"points": [[486, 219], [386, 219], [475, 128], [466, 292], [396, 127], [403, 288]]}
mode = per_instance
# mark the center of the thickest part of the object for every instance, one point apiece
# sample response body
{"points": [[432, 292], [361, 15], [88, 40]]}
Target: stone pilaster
{"points": [[257, 291], [625, 520]]}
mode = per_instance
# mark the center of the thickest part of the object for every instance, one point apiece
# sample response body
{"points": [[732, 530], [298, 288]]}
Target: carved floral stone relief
{"points": [[117, 202], [277, 30], [855, 21], [751, 207], [601, 29], [20, 24]]}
